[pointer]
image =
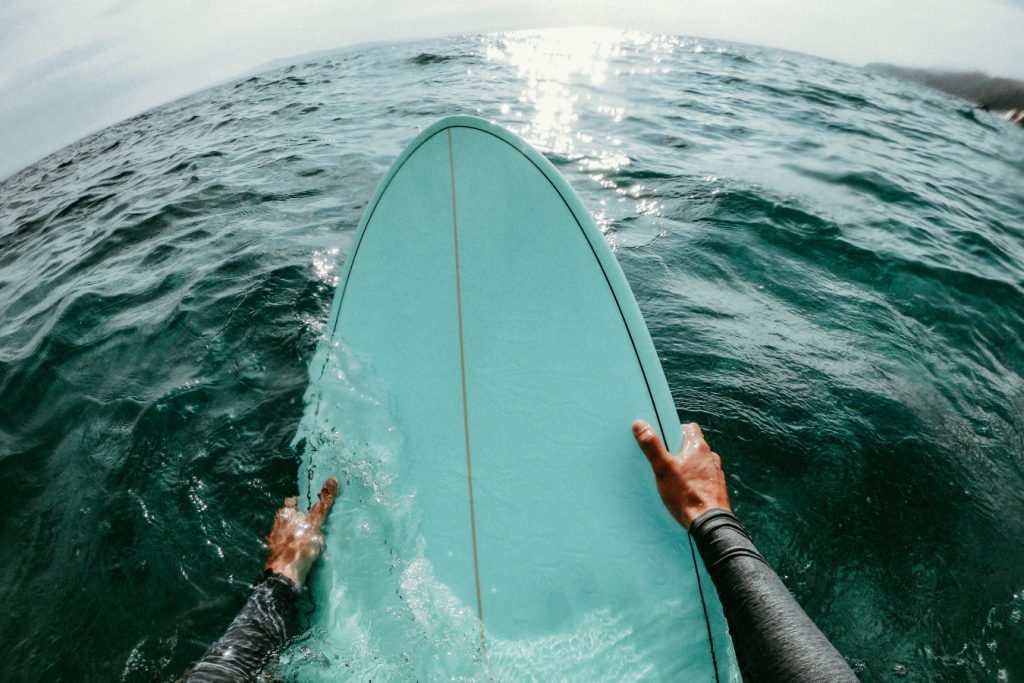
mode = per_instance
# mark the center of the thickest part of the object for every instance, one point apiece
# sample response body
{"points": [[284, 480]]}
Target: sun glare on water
{"points": [[551, 64], [564, 72]]}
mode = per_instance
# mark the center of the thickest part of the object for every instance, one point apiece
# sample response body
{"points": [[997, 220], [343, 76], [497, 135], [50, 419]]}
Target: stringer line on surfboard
{"points": [[465, 403]]}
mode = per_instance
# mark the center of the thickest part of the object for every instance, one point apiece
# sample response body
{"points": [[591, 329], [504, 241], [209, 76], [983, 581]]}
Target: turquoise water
{"points": [[830, 262]]}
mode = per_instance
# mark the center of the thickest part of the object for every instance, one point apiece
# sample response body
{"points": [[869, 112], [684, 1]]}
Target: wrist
{"points": [[287, 570], [693, 509], [696, 512]]}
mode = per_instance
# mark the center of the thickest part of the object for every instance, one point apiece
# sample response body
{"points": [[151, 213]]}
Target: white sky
{"points": [[68, 67]]}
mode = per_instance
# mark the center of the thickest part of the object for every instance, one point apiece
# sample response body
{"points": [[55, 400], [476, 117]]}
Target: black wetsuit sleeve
{"points": [[258, 630], [774, 638]]}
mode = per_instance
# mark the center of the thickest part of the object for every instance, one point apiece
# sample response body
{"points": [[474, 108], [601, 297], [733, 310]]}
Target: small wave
{"points": [[425, 58], [869, 182], [735, 57]]}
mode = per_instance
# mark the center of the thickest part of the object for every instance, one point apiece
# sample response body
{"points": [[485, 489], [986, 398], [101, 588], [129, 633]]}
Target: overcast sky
{"points": [[68, 68]]}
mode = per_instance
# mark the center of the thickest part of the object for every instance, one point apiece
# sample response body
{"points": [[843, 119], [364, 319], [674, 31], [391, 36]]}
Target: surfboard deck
{"points": [[515, 358]]}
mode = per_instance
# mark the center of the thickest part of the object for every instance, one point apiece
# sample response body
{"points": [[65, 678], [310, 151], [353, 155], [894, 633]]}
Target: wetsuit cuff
{"points": [[720, 537], [279, 583]]}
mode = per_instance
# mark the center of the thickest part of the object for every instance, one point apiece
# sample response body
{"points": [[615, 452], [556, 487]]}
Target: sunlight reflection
{"points": [[552, 63], [325, 263], [569, 73]]}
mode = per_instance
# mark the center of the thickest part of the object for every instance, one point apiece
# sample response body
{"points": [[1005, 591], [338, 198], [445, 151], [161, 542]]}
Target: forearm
{"points": [[774, 638], [258, 630]]}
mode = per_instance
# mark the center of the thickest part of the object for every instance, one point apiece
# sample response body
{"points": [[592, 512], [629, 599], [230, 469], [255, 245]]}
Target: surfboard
{"points": [[516, 358]]}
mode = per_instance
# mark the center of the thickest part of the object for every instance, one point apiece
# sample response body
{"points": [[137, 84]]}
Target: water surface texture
{"points": [[831, 263]]}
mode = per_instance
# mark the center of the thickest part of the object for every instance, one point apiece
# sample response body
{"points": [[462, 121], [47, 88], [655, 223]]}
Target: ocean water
{"points": [[831, 263]]}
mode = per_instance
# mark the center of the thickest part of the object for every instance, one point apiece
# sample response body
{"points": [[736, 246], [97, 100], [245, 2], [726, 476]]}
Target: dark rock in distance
{"points": [[1003, 95]]}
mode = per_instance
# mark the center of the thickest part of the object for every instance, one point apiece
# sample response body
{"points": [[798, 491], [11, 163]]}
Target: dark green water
{"points": [[831, 263]]}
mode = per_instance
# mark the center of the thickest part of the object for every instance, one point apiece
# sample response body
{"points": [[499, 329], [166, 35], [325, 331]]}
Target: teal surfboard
{"points": [[487, 331]]}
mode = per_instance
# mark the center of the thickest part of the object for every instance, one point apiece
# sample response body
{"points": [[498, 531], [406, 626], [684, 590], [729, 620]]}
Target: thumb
{"points": [[319, 511], [650, 443]]}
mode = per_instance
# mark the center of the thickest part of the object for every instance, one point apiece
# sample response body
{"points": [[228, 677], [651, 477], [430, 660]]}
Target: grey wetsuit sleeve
{"points": [[774, 638], [254, 635]]}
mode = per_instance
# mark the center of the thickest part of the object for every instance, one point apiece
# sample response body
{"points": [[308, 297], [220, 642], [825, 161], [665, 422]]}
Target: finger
{"points": [[281, 520], [290, 501], [284, 514], [650, 444], [692, 430], [318, 513], [694, 440]]}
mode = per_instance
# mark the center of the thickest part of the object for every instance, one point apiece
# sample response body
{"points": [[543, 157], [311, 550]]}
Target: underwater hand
{"points": [[295, 538], [690, 483]]}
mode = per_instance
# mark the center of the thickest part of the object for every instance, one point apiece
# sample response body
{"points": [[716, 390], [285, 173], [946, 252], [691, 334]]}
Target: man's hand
{"points": [[295, 539], [690, 483]]}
